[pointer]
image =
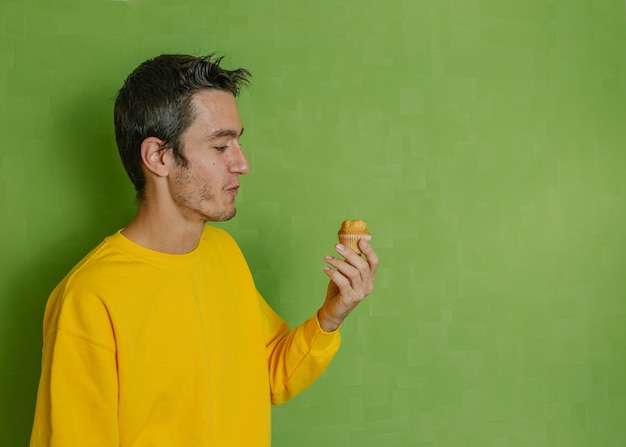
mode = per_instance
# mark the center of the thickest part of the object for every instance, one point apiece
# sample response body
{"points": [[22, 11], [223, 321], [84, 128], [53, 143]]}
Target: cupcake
{"points": [[350, 233]]}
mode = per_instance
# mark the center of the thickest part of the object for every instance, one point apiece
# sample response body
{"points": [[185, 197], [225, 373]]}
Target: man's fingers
{"points": [[370, 256]]}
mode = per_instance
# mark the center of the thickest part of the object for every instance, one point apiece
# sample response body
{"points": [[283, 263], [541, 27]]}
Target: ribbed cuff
{"points": [[315, 337]]}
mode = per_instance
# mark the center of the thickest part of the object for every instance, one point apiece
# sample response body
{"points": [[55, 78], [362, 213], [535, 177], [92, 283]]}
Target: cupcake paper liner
{"points": [[352, 240]]}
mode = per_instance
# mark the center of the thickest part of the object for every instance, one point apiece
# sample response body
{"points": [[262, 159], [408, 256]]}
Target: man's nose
{"points": [[240, 163]]}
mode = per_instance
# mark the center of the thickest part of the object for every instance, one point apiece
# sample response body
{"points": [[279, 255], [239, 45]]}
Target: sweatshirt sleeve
{"points": [[297, 357], [78, 389]]}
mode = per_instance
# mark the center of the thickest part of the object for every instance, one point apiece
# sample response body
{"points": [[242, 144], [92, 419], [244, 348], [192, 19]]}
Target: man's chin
{"points": [[232, 214], [222, 217]]}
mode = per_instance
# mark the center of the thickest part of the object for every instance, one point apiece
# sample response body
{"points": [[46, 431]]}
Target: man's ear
{"points": [[153, 155]]}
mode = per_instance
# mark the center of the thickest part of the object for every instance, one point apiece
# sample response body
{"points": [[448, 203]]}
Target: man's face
{"points": [[206, 188]]}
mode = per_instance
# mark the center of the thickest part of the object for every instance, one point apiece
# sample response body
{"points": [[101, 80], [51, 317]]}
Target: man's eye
{"points": [[221, 148]]}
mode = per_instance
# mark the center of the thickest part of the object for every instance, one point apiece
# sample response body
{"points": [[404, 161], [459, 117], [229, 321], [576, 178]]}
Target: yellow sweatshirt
{"points": [[145, 349]]}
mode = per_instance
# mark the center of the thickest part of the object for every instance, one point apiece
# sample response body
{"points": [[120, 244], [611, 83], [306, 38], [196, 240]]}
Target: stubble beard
{"points": [[221, 218], [220, 215], [194, 203]]}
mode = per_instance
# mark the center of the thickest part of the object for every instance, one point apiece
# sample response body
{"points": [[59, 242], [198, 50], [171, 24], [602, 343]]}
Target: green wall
{"points": [[482, 140]]}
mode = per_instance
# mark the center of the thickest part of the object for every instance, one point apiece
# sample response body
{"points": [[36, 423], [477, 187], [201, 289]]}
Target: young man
{"points": [[158, 337]]}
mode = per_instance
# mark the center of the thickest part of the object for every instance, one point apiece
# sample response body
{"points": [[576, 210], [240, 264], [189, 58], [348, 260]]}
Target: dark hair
{"points": [[155, 101]]}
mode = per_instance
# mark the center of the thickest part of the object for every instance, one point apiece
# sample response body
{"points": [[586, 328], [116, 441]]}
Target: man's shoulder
{"points": [[80, 279], [89, 259], [217, 235], [217, 239]]}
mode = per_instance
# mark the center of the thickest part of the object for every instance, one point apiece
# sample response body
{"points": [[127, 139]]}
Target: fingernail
{"points": [[363, 243], [340, 247], [328, 258]]}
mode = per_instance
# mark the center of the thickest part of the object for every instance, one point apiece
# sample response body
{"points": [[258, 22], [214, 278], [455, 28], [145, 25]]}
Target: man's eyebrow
{"points": [[225, 133]]}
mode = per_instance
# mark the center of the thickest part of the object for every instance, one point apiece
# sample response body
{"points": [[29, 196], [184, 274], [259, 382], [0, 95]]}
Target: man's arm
{"points": [[296, 358], [77, 397]]}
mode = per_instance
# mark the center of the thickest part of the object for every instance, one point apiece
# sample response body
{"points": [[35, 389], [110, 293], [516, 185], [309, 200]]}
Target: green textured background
{"points": [[482, 140]]}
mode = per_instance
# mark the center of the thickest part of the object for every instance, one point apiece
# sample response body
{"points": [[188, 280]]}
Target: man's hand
{"points": [[351, 280]]}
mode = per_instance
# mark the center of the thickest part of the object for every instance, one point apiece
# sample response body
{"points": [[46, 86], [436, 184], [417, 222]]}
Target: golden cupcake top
{"points": [[353, 227]]}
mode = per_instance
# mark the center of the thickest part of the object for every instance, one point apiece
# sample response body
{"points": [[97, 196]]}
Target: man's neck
{"points": [[162, 233]]}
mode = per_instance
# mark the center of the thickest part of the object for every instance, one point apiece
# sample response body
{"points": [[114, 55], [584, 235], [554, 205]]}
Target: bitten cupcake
{"points": [[351, 232]]}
